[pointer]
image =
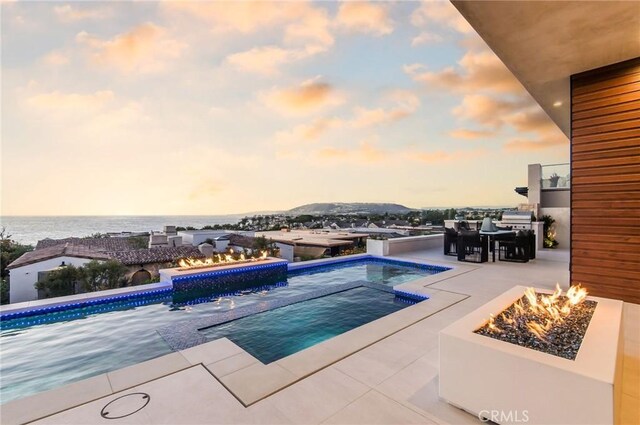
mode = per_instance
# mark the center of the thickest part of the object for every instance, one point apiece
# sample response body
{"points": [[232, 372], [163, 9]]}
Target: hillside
{"points": [[349, 208]]}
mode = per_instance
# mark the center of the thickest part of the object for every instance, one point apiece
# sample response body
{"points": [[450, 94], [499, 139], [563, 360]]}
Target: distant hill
{"points": [[349, 208]]}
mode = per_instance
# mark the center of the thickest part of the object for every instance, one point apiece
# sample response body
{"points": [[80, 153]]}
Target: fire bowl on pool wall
{"points": [[228, 277], [518, 373]]}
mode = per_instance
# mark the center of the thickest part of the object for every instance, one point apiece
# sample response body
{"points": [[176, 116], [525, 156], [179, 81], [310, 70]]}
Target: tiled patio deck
{"points": [[392, 381]]}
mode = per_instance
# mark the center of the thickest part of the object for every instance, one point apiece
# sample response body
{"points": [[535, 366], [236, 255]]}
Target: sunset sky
{"points": [[217, 108]]}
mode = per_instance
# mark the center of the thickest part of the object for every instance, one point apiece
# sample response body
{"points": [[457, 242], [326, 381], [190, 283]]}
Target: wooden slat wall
{"points": [[605, 181]]}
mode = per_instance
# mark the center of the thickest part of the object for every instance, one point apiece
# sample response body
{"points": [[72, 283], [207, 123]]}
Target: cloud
{"points": [[207, 190], [239, 16], [59, 101], [441, 13], [477, 71], [471, 134], [405, 104], [520, 113], [95, 116], [307, 133], [366, 152], [487, 110], [545, 142], [305, 34], [426, 37], [308, 97], [266, 60], [492, 99], [144, 49], [67, 13], [364, 17], [302, 23], [440, 156], [532, 118], [56, 58], [310, 29]]}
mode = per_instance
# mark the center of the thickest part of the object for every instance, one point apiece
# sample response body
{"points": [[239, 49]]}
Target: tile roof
{"points": [[241, 241], [54, 251], [155, 255], [116, 248], [98, 244]]}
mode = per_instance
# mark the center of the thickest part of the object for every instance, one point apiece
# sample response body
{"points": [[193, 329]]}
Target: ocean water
{"points": [[31, 229]]}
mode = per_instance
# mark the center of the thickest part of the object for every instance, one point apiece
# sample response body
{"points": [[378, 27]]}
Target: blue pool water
{"points": [[45, 351], [275, 334]]}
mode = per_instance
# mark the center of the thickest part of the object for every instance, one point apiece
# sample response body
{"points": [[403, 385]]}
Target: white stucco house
{"points": [[25, 271]]}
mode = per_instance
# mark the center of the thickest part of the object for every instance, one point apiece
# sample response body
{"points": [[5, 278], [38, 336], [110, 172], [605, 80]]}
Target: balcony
{"points": [[555, 177]]}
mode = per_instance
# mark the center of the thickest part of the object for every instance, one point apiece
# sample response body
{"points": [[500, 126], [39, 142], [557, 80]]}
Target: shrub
{"points": [[93, 276], [59, 282], [100, 275]]}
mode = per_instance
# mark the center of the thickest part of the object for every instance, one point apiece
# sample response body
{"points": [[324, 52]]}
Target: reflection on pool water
{"points": [[46, 351]]}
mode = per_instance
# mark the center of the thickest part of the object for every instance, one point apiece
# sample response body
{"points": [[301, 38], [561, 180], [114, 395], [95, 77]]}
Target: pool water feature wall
{"points": [[227, 278]]}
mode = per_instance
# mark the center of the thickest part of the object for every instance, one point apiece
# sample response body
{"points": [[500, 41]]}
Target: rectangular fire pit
{"points": [[226, 276], [512, 379]]}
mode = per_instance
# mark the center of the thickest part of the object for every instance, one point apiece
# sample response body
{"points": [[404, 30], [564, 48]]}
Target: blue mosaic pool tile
{"points": [[230, 280], [411, 295], [132, 298]]}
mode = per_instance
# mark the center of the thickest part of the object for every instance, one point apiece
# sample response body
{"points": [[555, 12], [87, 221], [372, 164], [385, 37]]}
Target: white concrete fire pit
{"points": [[511, 384]]}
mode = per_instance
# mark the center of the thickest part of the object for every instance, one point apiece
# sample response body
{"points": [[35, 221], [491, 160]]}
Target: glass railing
{"points": [[556, 176]]}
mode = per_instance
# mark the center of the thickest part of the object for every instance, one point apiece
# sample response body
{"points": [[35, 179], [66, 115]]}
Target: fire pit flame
{"points": [[492, 324], [542, 311], [218, 260]]}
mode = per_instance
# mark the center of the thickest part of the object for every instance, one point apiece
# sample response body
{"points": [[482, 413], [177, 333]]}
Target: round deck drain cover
{"points": [[125, 405]]}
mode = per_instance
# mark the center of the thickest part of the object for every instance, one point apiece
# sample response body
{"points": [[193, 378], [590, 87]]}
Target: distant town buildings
{"points": [[297, 238]]}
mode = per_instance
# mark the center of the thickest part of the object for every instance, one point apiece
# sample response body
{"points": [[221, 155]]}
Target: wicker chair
{"points": [[450, 241], [516, 248], [472, 247]]}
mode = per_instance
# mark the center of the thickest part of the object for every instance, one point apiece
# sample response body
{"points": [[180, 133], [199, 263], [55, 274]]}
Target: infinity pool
{"points": [[46, 351]]}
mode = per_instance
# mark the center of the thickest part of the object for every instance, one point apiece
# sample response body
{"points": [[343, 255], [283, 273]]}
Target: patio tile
{"points": [[231, 364], [428, 399], [375, 408], [49, 402], [374, 364], [255, 382], [416, 387], [316, 398], [211, 352], [311, 359], [146, 371], [172, 401]]}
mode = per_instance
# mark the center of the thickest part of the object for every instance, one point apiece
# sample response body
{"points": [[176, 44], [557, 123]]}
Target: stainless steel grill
{"points": [[517, 219]]}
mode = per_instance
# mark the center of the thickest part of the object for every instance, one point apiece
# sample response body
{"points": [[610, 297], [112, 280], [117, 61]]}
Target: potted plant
{"points": [[549, 232], [553, 180]]}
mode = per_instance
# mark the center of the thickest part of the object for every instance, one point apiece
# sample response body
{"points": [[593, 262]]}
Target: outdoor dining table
{"points": [[491, 239]]}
